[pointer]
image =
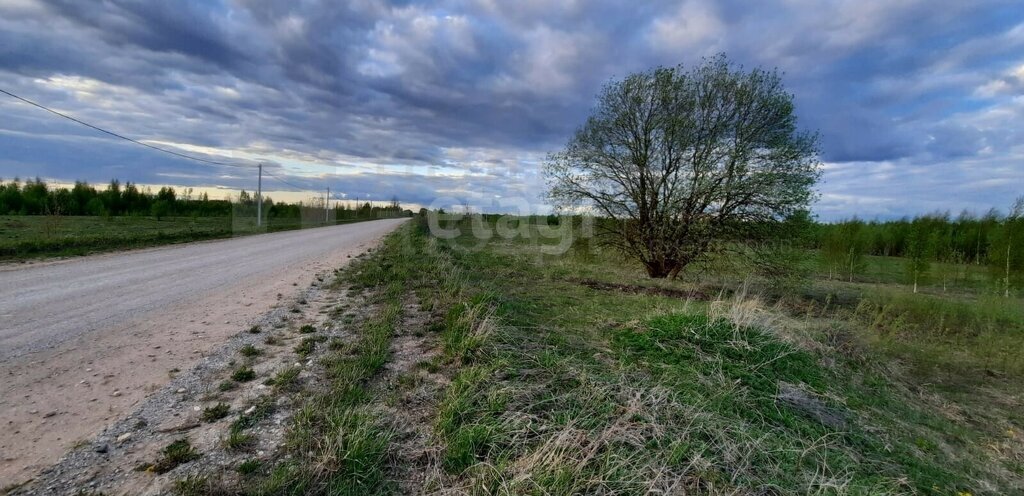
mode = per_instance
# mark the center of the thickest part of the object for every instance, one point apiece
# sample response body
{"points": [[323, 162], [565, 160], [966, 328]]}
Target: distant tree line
{"points": [[993, 239], [35, 197]]}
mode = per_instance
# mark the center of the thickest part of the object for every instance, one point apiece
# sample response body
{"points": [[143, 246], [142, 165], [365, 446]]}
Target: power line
{"points": [[300, 188], [116, 135], [137, 142]]}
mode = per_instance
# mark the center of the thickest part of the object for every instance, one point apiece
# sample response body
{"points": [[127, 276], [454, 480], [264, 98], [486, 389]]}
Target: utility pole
{"points": [[259, 198], [327, 206]]}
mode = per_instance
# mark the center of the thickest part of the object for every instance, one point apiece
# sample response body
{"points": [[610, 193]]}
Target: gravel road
{"points": [[85, 341], [43, 305]]}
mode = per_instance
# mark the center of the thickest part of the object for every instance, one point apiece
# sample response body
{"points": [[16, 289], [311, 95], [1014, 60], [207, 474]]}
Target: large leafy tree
{"points": [[683, 159]]}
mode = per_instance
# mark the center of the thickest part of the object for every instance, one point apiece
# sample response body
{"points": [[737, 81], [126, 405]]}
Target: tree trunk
{"points": [[656, 270], [977, 250], [1006, 287], [915, 283]]}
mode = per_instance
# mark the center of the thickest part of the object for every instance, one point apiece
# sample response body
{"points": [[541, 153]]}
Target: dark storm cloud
{"points": [[462, 99], [187, 29]]}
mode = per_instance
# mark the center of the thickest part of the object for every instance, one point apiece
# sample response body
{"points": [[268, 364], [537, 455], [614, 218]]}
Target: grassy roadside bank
{"points": [[25, 237], [497, 370]]}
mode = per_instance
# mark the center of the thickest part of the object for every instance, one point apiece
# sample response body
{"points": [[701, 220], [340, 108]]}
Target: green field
{"points": [[35, 236], [575, 374], [941, 277]]}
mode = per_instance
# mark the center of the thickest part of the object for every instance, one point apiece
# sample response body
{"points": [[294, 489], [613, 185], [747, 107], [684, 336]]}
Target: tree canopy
{"points": [[682, 159]]}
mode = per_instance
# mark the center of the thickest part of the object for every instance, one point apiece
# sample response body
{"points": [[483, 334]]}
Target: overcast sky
{"points": [[920, 104]]}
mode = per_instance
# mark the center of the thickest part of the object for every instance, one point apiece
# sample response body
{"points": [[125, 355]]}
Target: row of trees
{"points": [[994, 240], [35, 197], [313, 209]]}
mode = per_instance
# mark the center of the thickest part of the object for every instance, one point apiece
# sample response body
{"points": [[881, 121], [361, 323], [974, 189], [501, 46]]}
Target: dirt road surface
{"points": [[82, 341]]}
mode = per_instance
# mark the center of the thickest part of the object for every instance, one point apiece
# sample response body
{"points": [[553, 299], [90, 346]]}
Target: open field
{"points": [[958, 279], [493, 368], [36, 236]]}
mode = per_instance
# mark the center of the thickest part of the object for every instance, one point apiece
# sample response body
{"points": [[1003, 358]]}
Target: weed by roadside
{"points": [[176, 453], [243, 374], [197, 485], [216, 412], [338, 443], [306, 346], [249, 467], [286, 380], [250, 351], [238, 440]]}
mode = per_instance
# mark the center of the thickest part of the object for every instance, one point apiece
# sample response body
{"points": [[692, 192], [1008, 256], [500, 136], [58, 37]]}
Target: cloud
{"points": [[917, 103], [695, 26], [1010, 83]]}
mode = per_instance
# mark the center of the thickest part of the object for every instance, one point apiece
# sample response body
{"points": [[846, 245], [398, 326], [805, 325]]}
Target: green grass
{"points": [[968, 335], [339, 445], [959, 278], [195, 485], [307, 346], [34, 236], [215, 413], [243, 374], [575, 374], [264, 408], [583, 390], [732, 376], [250, 351], [249, 467], [239, 440], [286, 380], [174, 454]]}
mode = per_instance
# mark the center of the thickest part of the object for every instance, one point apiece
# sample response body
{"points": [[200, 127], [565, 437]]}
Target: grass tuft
{"points": [[174, 454], [243, 374], [238, 440], [216, 412], [264, 407], [197, 485], [251, 466], [250, 351], [286, 380]]}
